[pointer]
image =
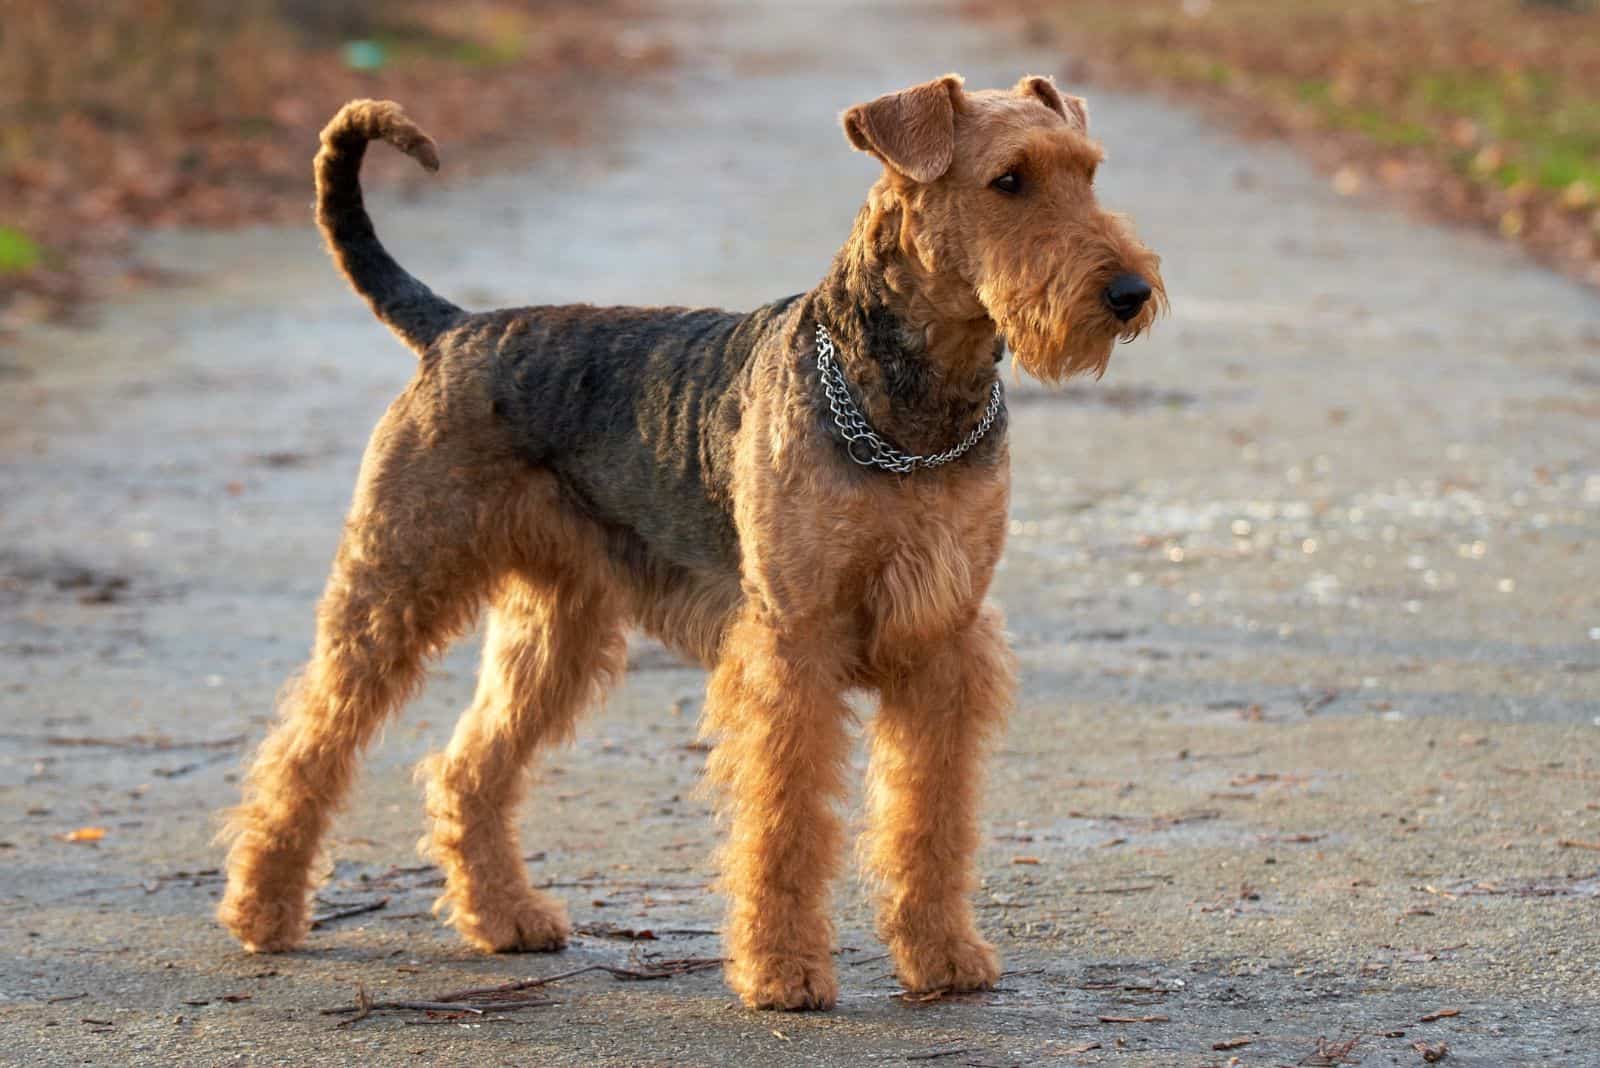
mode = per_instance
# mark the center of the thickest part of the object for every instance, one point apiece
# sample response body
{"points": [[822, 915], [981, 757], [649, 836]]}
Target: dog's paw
{"points": [[956, 963], [263, 926], [791, 984], [529, 925]]}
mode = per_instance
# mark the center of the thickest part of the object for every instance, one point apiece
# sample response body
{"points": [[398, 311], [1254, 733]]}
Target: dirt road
{"points": [[1306, 594]]}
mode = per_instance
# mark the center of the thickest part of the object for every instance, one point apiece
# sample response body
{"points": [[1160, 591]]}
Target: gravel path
{"points": [[1306, 594]]}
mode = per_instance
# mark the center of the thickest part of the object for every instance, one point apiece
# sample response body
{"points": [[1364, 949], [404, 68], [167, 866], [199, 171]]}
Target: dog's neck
{"points": [[918, 351]]}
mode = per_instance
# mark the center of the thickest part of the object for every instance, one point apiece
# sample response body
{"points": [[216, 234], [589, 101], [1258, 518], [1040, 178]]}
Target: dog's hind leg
{"points": [[551, 650], [411, 570]]}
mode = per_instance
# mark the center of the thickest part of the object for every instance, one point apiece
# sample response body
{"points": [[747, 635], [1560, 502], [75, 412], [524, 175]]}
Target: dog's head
{"points": [[996, 191]]}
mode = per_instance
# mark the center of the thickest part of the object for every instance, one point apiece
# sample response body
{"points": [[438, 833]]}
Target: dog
{"points": [[808, 499]]}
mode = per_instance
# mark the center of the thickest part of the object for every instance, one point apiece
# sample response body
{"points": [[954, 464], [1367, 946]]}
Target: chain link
{"points": [[853, 426]]}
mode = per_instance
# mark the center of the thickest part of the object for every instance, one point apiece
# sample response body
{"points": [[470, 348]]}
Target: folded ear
{"points": [[913, 131], [1072, 108]]}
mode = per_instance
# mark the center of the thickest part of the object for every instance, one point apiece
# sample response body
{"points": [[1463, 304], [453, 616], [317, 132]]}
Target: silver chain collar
{"points": [[853, 426]]}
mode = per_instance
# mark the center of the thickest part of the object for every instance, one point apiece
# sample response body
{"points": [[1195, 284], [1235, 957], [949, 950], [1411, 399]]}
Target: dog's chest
{"points": [[935, 554]]}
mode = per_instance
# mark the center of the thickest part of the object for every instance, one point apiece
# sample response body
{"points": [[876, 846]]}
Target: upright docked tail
{"points": [[405, 305]]}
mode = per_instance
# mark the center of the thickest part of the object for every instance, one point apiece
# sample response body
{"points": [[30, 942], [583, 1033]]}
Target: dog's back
{"points": [[634, 410]]}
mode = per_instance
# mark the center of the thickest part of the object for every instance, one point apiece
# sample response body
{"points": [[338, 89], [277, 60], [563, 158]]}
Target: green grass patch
{"points": [[1190, 68], [1549, 127], [1559, 166], [19, 253], [1315, 91], [1388, 130]]}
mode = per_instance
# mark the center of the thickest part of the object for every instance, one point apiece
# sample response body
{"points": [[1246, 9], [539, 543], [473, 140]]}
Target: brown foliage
{"points": [[118, 115]]}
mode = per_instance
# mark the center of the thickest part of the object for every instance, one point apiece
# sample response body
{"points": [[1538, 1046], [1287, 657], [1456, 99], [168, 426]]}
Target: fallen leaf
{"points": [[1440, 1014], [1578, 195], [84, 834]]}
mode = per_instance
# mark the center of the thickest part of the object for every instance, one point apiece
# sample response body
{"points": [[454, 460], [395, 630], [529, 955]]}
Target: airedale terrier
{"points": [[808, 498]]}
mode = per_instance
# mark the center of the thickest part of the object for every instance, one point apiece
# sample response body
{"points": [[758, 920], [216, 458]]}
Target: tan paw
{"points": [[530, 925], [960, 962], [263, 926], [787, 983]]}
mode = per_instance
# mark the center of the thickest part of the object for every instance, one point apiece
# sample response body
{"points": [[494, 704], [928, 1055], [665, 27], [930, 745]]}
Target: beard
{"points": [[1054, 317]]}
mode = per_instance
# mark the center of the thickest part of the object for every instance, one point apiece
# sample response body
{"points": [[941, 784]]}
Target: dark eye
{"points": [[1009, 182]]}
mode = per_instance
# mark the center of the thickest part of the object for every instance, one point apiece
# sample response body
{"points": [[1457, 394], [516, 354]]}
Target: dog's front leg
{"points": [[776, 710], [927, 747]]}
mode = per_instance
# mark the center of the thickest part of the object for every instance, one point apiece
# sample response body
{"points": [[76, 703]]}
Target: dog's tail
{"points": [[405, 305]]}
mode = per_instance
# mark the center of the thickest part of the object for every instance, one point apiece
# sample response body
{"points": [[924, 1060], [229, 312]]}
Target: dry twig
{"points": [[352, 910], [485, 999]]}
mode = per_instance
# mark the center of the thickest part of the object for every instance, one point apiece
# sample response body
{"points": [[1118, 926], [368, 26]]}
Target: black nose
{"points": [[1126, 295]]}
